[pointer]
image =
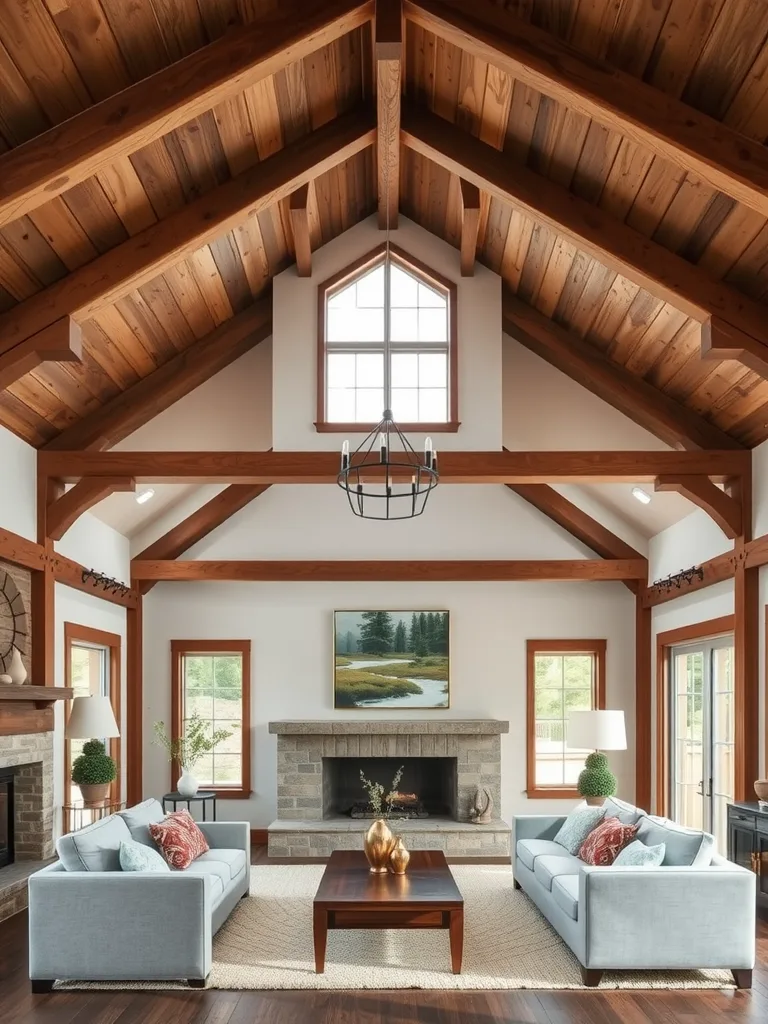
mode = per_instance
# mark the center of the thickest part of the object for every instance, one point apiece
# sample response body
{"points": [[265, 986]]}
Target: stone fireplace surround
{"points": [[301, 830]]}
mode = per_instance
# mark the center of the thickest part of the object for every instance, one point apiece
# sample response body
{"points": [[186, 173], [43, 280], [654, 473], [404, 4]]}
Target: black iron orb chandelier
{"points": [[386, 478]]}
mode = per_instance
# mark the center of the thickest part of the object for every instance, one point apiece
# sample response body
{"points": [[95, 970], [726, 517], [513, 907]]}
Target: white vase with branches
{"points": [[187, 750]]}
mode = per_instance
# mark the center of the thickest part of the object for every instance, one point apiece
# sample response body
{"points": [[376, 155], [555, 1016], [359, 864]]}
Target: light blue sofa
{"points": [[90, 921], [697, 910]]}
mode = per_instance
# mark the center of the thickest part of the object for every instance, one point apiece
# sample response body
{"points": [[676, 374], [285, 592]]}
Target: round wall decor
{"points": [[13, 620]]}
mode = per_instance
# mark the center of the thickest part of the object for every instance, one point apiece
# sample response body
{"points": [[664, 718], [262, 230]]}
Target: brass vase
{"points": [[399, 857], [378, 843]]}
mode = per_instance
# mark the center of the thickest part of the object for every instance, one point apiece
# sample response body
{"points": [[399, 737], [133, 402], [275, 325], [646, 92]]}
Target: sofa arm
{"points": [[119, 925], [668, 917], [537, 826]]}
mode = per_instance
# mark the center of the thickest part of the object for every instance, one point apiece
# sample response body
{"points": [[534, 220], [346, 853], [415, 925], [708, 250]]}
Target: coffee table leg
{"points": [[456, 932], [320, 932]]}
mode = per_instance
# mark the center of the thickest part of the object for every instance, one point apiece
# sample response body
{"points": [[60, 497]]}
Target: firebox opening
{"points": [[6, 818], [428, 785]]}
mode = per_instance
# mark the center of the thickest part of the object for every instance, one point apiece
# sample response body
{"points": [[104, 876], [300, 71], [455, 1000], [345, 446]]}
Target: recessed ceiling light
{"points": [[143, 496], [641, 495]]}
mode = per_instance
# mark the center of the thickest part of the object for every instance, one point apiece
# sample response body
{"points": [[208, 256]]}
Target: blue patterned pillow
{"points": [[637, 854], [138, 857], [577, 827]]}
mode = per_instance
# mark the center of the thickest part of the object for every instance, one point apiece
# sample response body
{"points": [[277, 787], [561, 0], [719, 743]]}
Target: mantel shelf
{"points": [[42, 696]]}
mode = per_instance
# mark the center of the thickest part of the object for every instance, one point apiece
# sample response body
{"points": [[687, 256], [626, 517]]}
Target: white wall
{"points": [[291, 626], [294, 359], [18, 485]]}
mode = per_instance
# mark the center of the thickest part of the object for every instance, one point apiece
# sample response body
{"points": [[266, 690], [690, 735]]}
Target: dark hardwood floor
{"points": [[19, 1006]]}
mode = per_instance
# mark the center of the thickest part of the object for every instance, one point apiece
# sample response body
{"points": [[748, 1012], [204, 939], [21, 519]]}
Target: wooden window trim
{"points": [[708, 630], [534, 647], [242, 647], [74, 632], [322, 425]]}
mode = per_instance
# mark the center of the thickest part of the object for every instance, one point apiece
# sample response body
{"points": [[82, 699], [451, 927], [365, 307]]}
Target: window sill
{"points": [[230, 794], [365, 428], [553, 794]]}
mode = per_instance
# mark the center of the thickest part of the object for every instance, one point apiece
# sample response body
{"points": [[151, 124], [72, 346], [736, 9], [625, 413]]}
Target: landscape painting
{"points": [[391, 660]]}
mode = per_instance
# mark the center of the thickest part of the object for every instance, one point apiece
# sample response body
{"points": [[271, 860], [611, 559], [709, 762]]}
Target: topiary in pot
{"points": [[94, 771], [596, 780]]}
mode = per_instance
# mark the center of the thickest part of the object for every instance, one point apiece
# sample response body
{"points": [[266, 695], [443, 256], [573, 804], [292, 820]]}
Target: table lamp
{"points": [[597, 731]]}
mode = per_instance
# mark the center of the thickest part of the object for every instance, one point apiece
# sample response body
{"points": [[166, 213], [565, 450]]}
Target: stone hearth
{"points": [[31, 758], [306, 827]]}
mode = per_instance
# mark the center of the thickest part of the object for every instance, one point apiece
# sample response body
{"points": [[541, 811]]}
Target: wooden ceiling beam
{"points": [[644, 404], [66, 510], [354, 570], [388, 54], [322, 467], [726, 159], [470, 225], [660, 271], [720, 341], [145, 255], [579, 524], [21, 551], [302, 246], [725, 510], [60, 342], [199, 524], [48, 165], [131, 409]]}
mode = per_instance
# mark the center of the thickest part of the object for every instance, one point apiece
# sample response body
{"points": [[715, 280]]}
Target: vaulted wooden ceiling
{"points": [[60, 57]]}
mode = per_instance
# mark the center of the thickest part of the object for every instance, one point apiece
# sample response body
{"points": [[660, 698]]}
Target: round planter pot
{"points": [[95, 796], [188, 785], [761, 789], [594, 801]]}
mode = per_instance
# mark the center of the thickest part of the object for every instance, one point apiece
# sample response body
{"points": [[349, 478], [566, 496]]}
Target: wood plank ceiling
{"points": [[58, 57]]}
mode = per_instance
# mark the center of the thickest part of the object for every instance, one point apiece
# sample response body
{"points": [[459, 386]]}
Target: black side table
{"points": [[204, 796]]}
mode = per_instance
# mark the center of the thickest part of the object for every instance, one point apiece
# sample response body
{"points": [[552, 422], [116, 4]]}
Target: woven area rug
{"points": [[267, 944]]}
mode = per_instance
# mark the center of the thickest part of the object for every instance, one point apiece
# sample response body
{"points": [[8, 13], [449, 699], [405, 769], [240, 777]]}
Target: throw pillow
{"points": [[637, 854], [135, 856], [577, 827], [179, 839], [603, 844]]}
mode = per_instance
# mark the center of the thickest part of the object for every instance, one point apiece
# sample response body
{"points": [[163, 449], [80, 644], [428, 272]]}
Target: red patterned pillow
{"points": [[604, 843], [179, 838]]}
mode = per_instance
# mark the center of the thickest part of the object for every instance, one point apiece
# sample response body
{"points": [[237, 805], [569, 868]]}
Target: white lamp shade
{"points": [[91, 718], [596, 730]]}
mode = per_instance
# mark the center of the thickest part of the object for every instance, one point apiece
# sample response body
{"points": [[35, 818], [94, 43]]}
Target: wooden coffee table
{"points": [[426, 896]]}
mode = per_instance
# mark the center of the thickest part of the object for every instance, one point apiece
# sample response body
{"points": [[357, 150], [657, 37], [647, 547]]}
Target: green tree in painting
{"points": [[440, 645], [376, 633], [414, 633], [401, 638], [351, 644]]}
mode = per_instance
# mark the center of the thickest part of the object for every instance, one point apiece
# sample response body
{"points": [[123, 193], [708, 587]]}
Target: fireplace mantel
{"points": [[393, 727]]}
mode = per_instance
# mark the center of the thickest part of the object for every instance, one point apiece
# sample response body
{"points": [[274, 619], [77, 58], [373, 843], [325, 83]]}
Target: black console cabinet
{"points": [[748, 843]]}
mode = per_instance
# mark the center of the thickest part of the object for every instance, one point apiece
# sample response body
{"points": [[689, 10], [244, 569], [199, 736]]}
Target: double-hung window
{"points": [[387, 339], [563, 676]]}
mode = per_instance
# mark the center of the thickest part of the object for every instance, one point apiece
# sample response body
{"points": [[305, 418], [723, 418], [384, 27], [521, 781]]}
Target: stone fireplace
{"points": [[321, 804]]}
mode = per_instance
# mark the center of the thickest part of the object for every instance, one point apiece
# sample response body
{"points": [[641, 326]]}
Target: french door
{"points": [[702, 736]]}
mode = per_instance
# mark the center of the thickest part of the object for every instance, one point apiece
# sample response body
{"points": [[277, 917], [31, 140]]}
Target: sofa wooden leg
{"points": [[590, 977], [196, 982], [517, 884], [41, 985], [743, 978]]}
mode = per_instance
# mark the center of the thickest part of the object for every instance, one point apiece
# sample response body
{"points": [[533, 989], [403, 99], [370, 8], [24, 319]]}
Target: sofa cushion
{"points": [[529, 849], [135, 856], [603, 843], [218, 872], [565, 890], [234, 859], [684, 846], [628, 814], [140, 817], [95, 847], [547, 868], [577, 827], [637, 854]]}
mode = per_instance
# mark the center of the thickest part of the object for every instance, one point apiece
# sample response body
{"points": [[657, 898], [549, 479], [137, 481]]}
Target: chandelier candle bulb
{"points": [[345, 455]]}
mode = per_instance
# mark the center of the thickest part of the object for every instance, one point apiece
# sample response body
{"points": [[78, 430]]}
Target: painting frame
{"points": [[401, 693]]}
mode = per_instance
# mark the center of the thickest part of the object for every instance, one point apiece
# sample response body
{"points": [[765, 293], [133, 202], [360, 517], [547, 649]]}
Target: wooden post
{"points": [[134, 684], [642, 703]]}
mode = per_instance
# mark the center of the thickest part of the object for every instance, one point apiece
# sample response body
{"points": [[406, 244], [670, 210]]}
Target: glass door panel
{"points": [[702, 735]]}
